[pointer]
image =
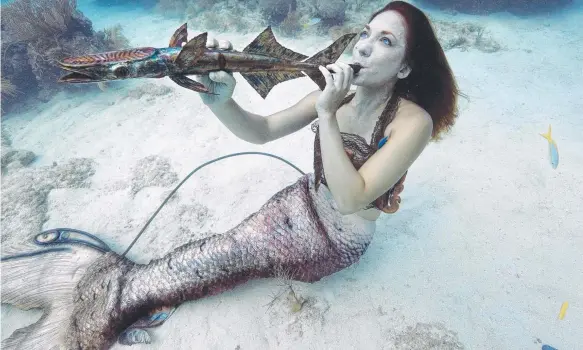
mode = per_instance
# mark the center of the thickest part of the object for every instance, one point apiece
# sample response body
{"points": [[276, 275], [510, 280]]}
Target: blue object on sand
{"points": [[548, 347]]}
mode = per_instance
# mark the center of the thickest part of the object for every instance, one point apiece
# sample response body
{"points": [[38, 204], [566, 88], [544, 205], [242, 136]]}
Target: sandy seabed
{"points": [[485, 249]]}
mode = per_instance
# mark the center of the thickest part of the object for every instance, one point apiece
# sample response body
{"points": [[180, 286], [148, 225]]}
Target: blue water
{"points": [[482, 254]]}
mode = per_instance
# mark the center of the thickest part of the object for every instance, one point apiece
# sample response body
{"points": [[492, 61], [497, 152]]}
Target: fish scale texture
{"points": [[298, 231]]}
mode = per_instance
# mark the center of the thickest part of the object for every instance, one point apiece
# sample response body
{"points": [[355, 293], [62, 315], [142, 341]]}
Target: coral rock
{"points": [[522, 7]]}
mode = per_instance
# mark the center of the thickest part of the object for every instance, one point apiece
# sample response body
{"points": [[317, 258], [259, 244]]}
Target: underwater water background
{"points": [[487, 245]]}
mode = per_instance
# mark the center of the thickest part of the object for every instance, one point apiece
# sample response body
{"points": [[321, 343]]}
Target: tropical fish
{"points": [[264, 63], [563, 310], [553, 149], [311, 22]]}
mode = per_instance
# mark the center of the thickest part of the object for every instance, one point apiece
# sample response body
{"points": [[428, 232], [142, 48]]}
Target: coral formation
{"points": [[147, 4], [290, 26], [332, 19], [13, 158], [192, 217], [152, 171], [332, 12], [7, 88], [276, 10], [36, 34], [464, 36], [293, 314], [520, 7], [428, 336], [287, 18], [294, 301], [25, 190], [149, 91]]}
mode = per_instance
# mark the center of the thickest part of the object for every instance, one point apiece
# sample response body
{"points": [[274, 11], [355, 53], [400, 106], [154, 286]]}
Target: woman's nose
{"points": [[364, 49]]}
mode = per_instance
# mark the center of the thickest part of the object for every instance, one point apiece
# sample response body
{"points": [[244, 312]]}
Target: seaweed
{"points": [[29, 19], [36, 34], [294, 301], [7, 89]]}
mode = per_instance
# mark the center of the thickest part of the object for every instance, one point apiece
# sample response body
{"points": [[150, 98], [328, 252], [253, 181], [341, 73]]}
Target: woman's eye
{"points": [[362, 34], [386, 41]]}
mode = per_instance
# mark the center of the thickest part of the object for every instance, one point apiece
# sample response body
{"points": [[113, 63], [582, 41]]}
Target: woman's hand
{"points": [[221, 82], [337, 86]]}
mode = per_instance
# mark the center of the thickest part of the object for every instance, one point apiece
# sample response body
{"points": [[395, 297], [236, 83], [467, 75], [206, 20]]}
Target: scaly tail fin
{"points": [[327, 56], [44, 279], [266, 44]]}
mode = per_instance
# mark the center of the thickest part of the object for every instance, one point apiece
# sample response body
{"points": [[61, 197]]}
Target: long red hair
{"points": [[430, 83]]}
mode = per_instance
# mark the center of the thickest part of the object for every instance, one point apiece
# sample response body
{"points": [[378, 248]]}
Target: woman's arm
{"points": [[342, 178], [354, 189], [245, 125], [249, 126], [259, 129]]}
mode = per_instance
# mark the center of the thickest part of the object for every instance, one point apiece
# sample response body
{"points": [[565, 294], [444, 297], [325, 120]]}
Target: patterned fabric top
{"points": [[359, 151]]}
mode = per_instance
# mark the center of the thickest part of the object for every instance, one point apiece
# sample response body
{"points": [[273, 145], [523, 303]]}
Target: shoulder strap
{"points": [[386, 117]]}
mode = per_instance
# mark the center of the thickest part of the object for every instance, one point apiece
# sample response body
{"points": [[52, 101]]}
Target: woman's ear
{"points": [[404, 72]]}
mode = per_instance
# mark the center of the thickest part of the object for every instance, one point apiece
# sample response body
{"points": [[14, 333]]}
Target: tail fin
{"points": [[45, 281], [547, 135], [327, 56], [266, 44]]}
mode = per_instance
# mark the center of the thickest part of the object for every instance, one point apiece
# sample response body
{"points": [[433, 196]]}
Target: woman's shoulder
{"points": [[410, 119], [410, 112]]}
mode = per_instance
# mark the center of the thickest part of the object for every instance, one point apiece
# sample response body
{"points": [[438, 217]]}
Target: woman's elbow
{"points": [[348, 208], [347, 211], [256, 138]]}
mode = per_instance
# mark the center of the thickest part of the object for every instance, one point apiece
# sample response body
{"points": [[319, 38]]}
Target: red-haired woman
{"points": [[365, 142]]}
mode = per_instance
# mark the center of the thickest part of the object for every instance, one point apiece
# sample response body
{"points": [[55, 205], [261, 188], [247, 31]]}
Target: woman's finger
{"points": [[338, 75], [211, 42], [225, 45], [327, 76], [348, 76]]}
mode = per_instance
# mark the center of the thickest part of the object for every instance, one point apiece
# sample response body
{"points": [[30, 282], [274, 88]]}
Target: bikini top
{"points": [[359, 151]]}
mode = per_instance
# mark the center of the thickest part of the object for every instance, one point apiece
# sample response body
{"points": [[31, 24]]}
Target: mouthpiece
{"points": [[355, 67]]}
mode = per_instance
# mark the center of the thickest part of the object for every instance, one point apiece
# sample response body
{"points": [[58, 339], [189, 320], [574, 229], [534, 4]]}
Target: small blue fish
{"points": [[548, 347], [553, 149], [311, 22]]}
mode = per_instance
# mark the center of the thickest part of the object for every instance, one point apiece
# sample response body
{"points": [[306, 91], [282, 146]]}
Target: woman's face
{"points": [[381, 51]]}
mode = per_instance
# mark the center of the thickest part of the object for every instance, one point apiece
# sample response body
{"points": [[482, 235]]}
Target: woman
{"points": [[324, 222], [406, 90]]}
